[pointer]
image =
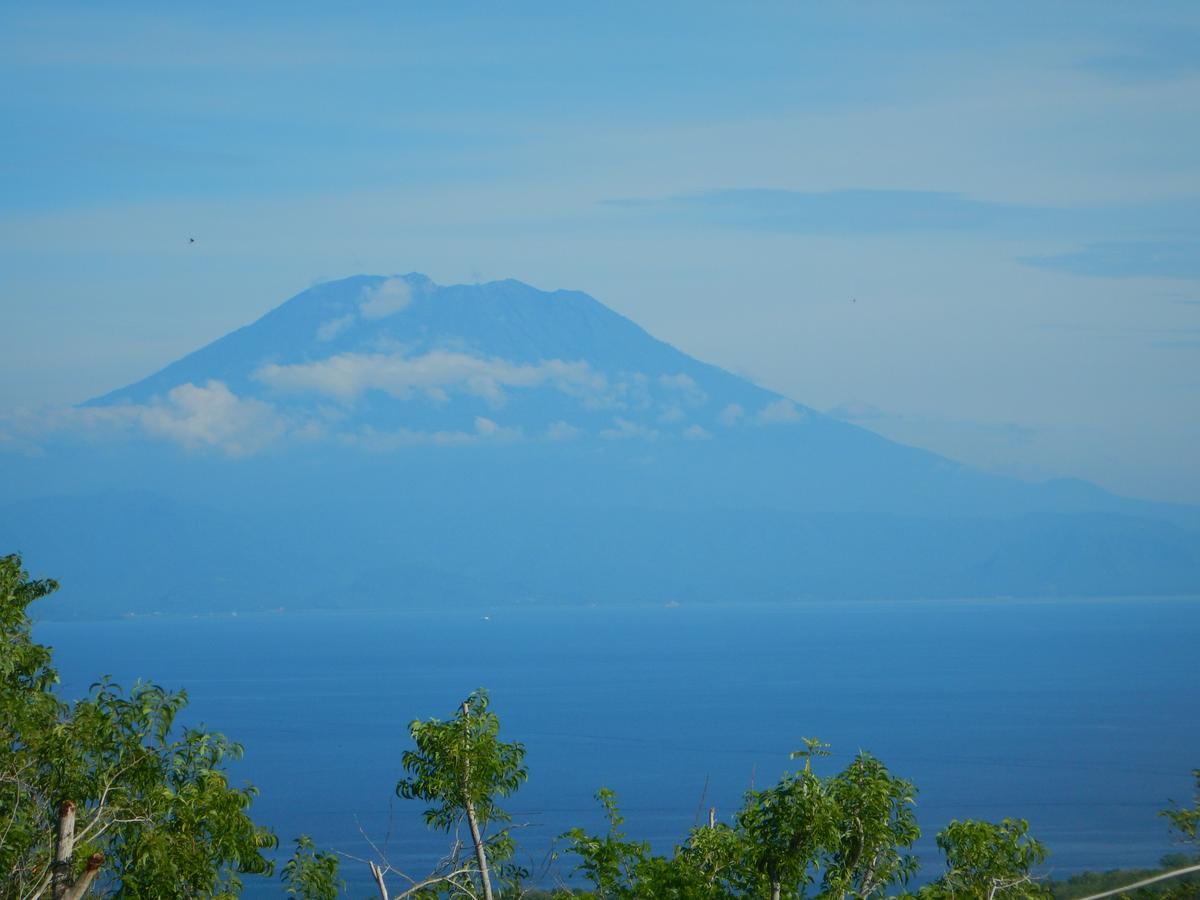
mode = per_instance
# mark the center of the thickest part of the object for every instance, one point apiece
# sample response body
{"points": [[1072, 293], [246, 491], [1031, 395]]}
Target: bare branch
{"points": [[448, 878], [377, 874], [372, 844]]}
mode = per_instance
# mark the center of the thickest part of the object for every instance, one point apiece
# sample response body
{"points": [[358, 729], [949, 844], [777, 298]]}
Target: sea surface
{"points": [[1082, 716]]}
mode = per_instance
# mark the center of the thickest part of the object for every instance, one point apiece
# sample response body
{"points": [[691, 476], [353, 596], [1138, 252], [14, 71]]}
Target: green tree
{"points": [[106, 793], [715, 863], [988, 861], [312, 874], [608, 861], [461, 767], [876, 823], [789, 826], [710, 865], [1185, 820]]}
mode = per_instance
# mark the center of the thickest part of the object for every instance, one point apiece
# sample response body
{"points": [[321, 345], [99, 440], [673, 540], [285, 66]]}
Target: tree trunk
{"points": [[377, 874], [480, 853], [776, 890], [476, 837], [64, 852]]}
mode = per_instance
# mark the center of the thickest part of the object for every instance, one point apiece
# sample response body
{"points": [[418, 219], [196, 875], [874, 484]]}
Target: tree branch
{"points": [[1145, 881], [84, 882]]}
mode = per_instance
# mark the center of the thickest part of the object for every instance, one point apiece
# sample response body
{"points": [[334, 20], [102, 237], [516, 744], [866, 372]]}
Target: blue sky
{"points": [[1009, 193]]}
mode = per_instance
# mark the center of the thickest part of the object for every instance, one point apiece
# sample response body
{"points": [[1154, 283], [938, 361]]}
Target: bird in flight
{"points": [[191, 240]]}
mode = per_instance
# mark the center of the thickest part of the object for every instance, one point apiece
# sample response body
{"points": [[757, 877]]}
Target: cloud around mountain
{"points": [[199, 418], [436, 375]]}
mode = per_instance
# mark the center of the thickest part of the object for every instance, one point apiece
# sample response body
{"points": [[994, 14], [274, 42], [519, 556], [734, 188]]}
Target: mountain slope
{"points": [[404, 338], [383, 440]]}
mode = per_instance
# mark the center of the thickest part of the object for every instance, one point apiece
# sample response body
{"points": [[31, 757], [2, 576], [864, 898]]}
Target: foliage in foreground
{"points": [[845, 836], [151, 813], [154, 814], [462, 767], [312, 874]]}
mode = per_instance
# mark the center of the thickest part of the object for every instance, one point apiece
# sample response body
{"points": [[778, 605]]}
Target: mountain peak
{"points": [[402, 351]]}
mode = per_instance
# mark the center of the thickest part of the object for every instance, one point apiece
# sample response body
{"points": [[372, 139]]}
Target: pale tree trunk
{"points": [[476, 837], [480, 855], [377, 874], [61, 885], [64, 851], [776, 890]]}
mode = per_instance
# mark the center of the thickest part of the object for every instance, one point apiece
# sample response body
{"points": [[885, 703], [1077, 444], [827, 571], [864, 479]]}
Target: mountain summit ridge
{"points": [[343, 314], [395, 349]]}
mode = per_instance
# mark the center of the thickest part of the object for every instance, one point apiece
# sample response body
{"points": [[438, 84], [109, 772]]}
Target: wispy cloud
{"points": [[165, 41], [731, 414], [862, 211], [1176, 345], [330, 329], [562, 431], [624, 428], [386, 441], [690, 393], [1152, 54], [378, 301], [1127, 260], [385, 299], [208, 417], [780, 412], [873, 211], [869, 211], [212, 418], [347, 376]]}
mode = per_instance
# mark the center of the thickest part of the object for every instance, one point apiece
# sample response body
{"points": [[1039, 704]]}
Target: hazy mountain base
{"points": [[138, 553], [480, 526]]}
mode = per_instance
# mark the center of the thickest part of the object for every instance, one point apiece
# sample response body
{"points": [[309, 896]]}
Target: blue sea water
{"points": [[1082, 716]]}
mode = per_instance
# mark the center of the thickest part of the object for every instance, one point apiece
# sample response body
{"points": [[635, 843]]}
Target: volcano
{"points": [[385, 441]]}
